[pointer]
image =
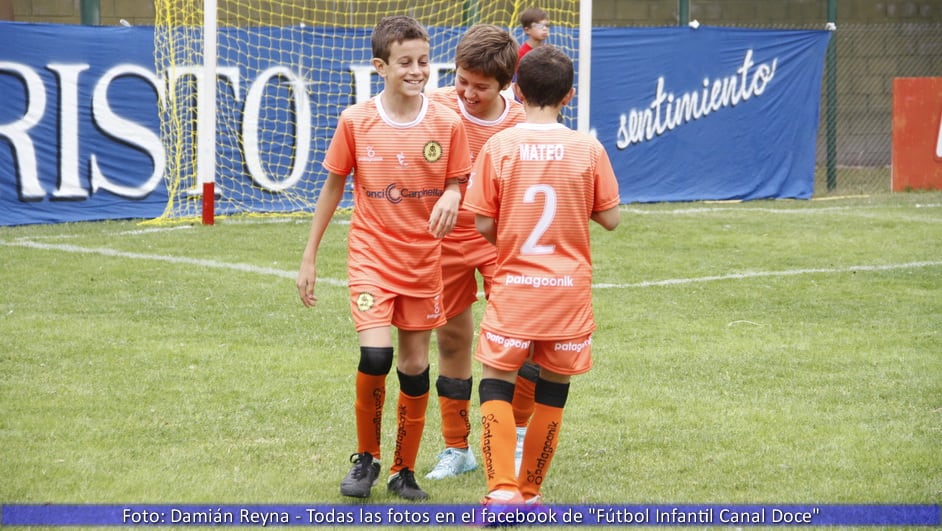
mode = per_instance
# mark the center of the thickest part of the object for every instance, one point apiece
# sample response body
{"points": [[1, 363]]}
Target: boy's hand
{"points": [[445, 213], [307, 276]]}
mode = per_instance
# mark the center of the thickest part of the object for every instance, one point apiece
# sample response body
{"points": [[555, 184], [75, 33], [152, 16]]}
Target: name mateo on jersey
{"points": [[541, 152]]}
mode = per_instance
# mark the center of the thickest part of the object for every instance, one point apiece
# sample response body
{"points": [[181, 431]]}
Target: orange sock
{"points": [[456, 427], [410, 413], [525, 392], [370, 397], [498, 439], [539, 447], [523, 401]]}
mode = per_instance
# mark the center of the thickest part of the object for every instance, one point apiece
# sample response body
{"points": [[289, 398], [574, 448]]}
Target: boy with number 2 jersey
{"points": [[534, 188]]}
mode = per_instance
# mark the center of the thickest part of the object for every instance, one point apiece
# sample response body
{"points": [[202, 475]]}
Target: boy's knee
{"points": [[375, 361], [494, 389], [414, 384]]}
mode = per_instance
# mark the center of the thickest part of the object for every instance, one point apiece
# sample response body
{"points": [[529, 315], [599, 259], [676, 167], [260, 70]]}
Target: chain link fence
{"points": [[868, 58]]}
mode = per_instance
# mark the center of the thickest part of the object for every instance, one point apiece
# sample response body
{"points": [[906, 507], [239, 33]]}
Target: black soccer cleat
{"points": [[361, 478], [403, 485]]}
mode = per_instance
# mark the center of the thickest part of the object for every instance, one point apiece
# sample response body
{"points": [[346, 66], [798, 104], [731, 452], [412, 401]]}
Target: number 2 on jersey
{"points": [[531, 245]]}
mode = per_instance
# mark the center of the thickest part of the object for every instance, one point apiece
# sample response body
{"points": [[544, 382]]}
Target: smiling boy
{"points": [[485, 60], [407, 155]]}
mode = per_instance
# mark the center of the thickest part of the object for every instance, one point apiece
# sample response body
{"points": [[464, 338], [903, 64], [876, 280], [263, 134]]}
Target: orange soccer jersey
{"points": [[400, 171], [541, 183], [479, 131]]}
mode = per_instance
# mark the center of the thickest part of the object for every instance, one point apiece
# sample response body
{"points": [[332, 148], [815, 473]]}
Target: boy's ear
{"points": [[517, 92], [568, 97], [380, 66]]}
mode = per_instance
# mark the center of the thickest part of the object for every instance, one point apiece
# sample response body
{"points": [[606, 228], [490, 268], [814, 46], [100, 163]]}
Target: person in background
{"points": [[536, 26]]}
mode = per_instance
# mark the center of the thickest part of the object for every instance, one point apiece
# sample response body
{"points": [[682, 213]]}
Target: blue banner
{"points": [[685, 114], [709, 113], [78, 125], [442, 515]]}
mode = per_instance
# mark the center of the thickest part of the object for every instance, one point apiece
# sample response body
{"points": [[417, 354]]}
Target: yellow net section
{"points": [[285, 70]]}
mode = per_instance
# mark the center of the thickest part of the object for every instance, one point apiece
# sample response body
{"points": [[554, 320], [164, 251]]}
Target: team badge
{"points": [[365, 301], [432, 151]]}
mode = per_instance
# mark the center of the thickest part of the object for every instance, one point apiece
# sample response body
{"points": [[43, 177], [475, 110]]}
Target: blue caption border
{"points": [[135, 515]]}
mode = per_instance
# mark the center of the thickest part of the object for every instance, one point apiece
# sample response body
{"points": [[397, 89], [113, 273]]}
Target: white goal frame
{"points": [[207, 110]]}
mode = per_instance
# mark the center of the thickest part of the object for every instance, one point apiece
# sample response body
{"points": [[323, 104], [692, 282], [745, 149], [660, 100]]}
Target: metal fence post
{"points": [[91, 12], [831, 116], [470, 14], [683, 10]]}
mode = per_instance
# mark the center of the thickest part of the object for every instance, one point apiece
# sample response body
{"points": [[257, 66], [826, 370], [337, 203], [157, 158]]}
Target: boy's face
{"points": [[479, 93], [538, 31], [408, 68]]}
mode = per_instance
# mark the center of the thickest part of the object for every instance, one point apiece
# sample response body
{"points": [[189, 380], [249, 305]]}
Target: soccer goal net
{"points": [[255, 88]]}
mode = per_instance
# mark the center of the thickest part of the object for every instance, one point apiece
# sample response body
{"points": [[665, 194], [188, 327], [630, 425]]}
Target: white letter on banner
{"points": [[646, 124], [131, 132], [302, 146], [362, 78], [17, 132], [230, 73], [70, 186], [764, 74]]}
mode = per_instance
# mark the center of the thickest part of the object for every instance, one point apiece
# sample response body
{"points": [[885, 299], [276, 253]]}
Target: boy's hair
{"points": [[532, 15], [488, 50], [395, 28], [545, 76]]}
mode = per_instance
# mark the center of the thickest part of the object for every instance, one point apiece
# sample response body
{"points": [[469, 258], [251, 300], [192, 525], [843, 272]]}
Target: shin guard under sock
{"points": [[410, 415], [375, 363], [539, 447], [524, 391], [498, 434], [370, 397], [454, 399]]}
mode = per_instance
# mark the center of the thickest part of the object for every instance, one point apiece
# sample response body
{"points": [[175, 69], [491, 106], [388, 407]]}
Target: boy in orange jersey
{"points": [[534, 188], [485, 60], [407, 154]]}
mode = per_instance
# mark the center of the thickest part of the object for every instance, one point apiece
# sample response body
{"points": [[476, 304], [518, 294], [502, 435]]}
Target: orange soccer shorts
{"points": [[373, 307], [460, 260], [562, 356]]}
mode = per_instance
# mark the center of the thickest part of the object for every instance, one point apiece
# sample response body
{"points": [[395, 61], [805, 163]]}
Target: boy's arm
{"points": [[330, 196], [607, 218], [487, 227], [445, 212]]}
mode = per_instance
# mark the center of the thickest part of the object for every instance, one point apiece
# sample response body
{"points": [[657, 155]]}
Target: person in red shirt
{"points": [[407, 155], [536, 26], [533, 189], [485, 61]]}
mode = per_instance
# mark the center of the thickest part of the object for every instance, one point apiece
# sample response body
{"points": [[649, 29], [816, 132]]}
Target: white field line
{"points": [[105, 251], [852, 210], [248, 268], [760, 274]]}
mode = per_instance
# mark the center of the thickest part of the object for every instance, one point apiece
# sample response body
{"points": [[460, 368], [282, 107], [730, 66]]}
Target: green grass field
{"points": [[760, 352]]}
